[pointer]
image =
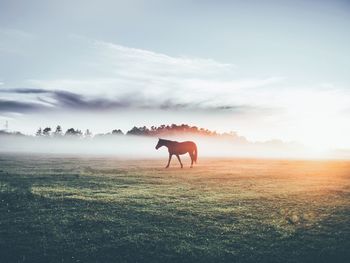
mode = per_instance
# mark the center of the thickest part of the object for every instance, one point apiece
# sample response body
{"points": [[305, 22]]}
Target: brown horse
{"points": [[179, 148]]}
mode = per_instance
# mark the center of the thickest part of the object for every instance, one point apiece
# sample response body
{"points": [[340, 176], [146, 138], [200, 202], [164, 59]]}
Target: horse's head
{"points": [[159, 144]]}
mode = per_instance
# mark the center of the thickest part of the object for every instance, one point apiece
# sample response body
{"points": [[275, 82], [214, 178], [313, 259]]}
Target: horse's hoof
{"points": [[166, 167]]}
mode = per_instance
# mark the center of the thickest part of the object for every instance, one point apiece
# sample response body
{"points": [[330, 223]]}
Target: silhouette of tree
{"points": [[117, 132], [138, 131], [38, 132], [72, 132], [173, 129], [46, 131], [58, 131], [87, 134], [153, 131]]}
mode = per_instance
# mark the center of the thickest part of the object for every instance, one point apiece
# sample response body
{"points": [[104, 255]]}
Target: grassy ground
{"points": [[59, 209]]}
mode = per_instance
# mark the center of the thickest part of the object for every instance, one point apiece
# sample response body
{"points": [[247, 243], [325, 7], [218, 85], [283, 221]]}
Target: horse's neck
{"points": [[169, 143]]}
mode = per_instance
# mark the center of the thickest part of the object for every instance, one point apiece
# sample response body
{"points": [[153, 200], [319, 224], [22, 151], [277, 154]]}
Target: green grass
{"points": [[61, 209]]}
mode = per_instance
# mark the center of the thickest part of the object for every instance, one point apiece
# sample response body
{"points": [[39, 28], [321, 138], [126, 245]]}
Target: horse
{"points": [[178, 148]]}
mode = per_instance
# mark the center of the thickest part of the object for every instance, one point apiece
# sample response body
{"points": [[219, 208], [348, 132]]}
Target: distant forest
{"points": [[153, 131]]}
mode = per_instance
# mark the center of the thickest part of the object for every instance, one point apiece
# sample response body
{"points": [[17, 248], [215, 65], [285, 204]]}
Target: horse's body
{"points": [[179, 148]]}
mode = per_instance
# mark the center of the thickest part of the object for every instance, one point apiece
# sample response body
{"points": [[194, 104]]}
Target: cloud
{"points": [[64, 100], [24, 91], [112, 77], [144, 62], [16, 106], [76, 101], [60, 99]]}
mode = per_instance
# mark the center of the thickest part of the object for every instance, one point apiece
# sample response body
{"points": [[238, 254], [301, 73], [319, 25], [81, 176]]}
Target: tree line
{"points": [[153, 131]]}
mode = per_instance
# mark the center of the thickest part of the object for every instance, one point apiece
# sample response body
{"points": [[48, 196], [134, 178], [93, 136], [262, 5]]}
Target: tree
{"points": [[58, 131], [117, 132], [134, 131], [38, 132], [139, 131], [87, 133], [46, 131], [72, 132]]}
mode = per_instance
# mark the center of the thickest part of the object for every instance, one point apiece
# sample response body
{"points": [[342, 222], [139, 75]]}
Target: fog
{"points": [[144, 147]]}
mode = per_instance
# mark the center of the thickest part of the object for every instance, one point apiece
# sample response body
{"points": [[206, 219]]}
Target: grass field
{"points": [[60, 209]]}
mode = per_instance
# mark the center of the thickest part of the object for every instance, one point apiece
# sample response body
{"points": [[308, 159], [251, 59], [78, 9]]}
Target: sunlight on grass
{"points": [[227, 207], [6, 188]]}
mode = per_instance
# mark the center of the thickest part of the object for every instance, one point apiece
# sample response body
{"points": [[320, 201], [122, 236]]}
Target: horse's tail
{"points": [[195, 153]]}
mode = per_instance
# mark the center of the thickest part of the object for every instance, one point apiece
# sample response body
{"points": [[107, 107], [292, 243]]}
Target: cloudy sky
{"points": [[266, 69]]}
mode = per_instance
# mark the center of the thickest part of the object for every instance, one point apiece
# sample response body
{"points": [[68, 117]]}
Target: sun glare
{"points": [[318, 123]]}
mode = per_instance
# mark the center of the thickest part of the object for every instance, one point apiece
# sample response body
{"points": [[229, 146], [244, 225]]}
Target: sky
{"points": [[265, 69]]}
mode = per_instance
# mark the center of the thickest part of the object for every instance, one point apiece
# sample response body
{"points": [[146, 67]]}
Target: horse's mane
{"points": [[167, 140]]}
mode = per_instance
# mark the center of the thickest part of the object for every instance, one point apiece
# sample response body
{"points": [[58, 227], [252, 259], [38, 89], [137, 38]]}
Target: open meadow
{"points": [[104, 209]]}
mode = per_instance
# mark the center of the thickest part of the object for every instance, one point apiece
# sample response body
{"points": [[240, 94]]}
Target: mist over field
{"points": [[144, 147]]}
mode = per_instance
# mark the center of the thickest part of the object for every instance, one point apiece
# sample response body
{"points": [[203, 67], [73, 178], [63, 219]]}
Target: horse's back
{"points": [[190, 143], [183, 147]]}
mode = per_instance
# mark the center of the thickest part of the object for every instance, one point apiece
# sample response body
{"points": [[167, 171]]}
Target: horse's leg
{"points": [[191, 155], [178, 157], [170, 155]]}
